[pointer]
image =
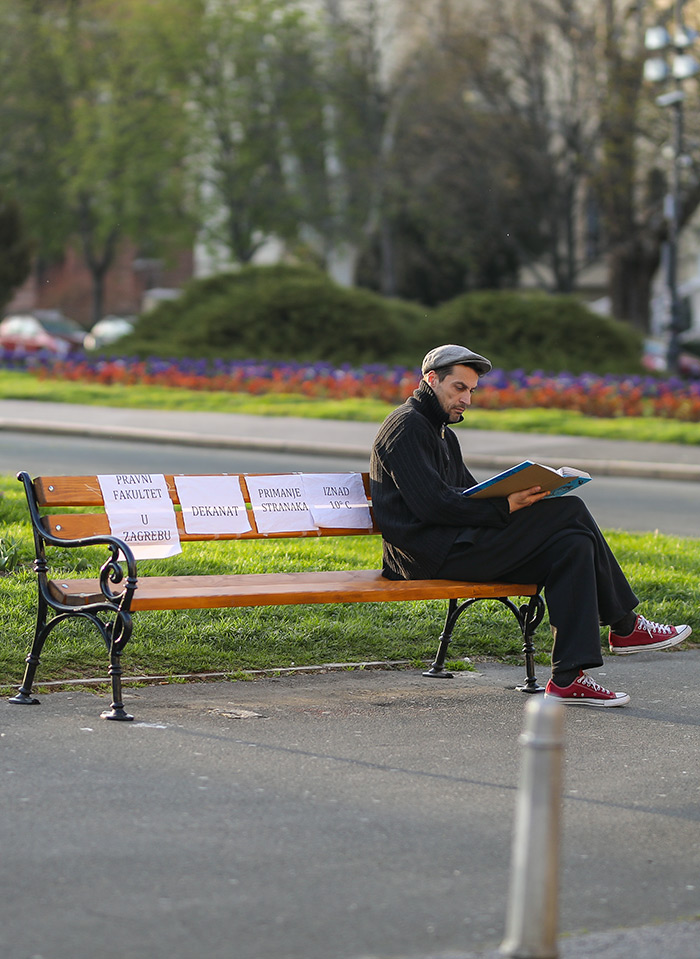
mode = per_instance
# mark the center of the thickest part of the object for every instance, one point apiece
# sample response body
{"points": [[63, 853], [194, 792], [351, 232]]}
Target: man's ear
{"points": [[430, 377]]}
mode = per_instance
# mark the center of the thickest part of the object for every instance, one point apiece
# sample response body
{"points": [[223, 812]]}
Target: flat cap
{"points": [[451, 353]]}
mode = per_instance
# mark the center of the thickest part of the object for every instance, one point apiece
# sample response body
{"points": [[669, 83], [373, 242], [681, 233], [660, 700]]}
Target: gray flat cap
{"points": [[451, 353]]}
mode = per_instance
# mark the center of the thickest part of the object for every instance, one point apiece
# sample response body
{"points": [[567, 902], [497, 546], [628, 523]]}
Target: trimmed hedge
{"points": [[280, 312], [297, 313], [537, 331]]}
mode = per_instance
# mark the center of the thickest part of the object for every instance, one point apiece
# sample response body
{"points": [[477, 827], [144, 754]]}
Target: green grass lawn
{"points": [[663, 570], [642, 429]]}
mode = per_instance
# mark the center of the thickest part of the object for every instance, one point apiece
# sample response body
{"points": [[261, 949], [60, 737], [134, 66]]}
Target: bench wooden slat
{"points": [[67, 491], [81, 525], [51, 491], [283, 589]]}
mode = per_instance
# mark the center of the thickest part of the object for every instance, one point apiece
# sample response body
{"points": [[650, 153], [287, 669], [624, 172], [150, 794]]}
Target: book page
{"points": [[523, 476], [571, 471]]}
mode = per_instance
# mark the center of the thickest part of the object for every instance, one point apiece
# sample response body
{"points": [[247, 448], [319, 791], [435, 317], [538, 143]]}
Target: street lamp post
{"points": [[656, 69]]}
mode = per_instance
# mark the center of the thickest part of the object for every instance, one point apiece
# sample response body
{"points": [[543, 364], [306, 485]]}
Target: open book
{"points": [[527, 474]]}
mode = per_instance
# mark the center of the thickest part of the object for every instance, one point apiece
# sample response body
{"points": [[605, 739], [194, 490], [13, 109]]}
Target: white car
{"points": [[107, 331]]}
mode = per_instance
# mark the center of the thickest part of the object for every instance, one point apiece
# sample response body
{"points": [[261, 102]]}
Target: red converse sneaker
{"points": [[585, 691], [646, 635]]}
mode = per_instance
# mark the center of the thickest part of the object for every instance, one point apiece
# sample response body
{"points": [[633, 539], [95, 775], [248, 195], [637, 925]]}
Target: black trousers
{"points": [[557, 544]]}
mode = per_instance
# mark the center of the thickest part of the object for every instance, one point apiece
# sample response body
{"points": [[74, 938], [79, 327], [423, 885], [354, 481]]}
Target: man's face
{"points": [[455, 391]]}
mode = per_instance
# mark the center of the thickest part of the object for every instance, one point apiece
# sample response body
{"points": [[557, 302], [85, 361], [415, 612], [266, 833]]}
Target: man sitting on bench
{"points": [[432, 531]]}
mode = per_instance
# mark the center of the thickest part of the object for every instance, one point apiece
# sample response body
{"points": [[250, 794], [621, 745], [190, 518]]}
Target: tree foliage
{"points": [[255, 121], [468, 183], [95, 126], [426, 147], [290, 122], [567, 78]]}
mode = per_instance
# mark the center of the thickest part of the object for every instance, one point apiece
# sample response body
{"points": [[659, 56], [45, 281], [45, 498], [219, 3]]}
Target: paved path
{"points": [[343, 815]]}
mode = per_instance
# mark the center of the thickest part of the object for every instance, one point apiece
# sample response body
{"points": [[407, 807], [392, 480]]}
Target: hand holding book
{"points": [[528, 474]]}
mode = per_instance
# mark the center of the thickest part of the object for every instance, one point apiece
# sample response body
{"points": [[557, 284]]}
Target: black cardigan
{"points": [[417, 477]]}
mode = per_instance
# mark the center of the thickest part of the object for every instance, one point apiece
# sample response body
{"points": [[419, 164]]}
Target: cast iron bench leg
{"points": [[117, 634], [24, 695], [116, 710], [437, 669], [529, 616]]}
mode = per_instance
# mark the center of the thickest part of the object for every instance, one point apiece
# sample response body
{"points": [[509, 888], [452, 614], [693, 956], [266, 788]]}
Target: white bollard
{"points": [[531, 923]]}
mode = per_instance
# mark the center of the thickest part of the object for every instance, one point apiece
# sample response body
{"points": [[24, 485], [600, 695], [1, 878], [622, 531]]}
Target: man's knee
{"points": [[577, 548], [570, 511]]}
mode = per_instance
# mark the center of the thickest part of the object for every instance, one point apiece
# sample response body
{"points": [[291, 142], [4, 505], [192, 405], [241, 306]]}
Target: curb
{"points": [[185, 439], [166, 679]]}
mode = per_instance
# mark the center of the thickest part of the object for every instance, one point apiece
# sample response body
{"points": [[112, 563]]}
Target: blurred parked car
{"points": [[689, 359], [107, 331], [655, 356], [46, 330]]}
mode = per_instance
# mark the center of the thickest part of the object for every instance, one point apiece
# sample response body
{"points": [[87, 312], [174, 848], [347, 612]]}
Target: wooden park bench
{"points": [[108, 602]]}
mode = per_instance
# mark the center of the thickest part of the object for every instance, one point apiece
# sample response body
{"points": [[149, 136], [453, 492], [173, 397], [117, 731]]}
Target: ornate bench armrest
{"points": [[111, 571]]}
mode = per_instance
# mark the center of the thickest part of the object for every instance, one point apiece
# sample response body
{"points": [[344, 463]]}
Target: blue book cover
{"points": [[573, 482], [527, 474]]}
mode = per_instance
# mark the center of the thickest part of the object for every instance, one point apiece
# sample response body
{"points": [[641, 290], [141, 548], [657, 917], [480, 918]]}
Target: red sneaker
{"points": [[646, 635], [585, 691]]}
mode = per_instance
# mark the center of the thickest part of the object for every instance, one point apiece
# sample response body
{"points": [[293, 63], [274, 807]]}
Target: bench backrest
{"points": [[82, 492]]}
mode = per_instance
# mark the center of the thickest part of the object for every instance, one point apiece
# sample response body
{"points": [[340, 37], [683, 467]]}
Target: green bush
{"points": [[280, 312], [297, 313], [536, 331]]}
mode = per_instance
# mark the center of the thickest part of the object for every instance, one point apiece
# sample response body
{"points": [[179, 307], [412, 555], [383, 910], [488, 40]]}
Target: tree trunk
{"points": [[630, 274], [387, 269], [98, 263]]}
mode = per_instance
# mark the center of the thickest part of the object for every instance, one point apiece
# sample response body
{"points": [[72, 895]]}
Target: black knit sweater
{"points": [[417, 477]]}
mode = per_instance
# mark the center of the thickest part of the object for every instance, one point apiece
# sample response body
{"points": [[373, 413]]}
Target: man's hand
{"points": [[526, 497]]}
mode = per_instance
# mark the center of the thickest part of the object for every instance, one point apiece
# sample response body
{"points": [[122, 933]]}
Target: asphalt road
{"points": [[343, 815], [618, 503]]}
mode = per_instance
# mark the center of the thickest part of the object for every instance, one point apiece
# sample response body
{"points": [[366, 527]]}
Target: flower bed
{"points": [[602, 396]]}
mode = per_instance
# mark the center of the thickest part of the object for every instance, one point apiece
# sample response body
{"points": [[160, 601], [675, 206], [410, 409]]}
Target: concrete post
{"points": [[531, 925]]}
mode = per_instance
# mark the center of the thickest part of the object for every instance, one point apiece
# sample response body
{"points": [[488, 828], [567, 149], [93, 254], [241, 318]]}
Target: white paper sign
{"points": [[279, 503], [140, 512], [212, 504], [337, 500]]}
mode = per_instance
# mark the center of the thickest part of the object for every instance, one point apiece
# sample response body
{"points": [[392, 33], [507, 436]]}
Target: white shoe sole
{"points": [[664, 644], [621, 699]]}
